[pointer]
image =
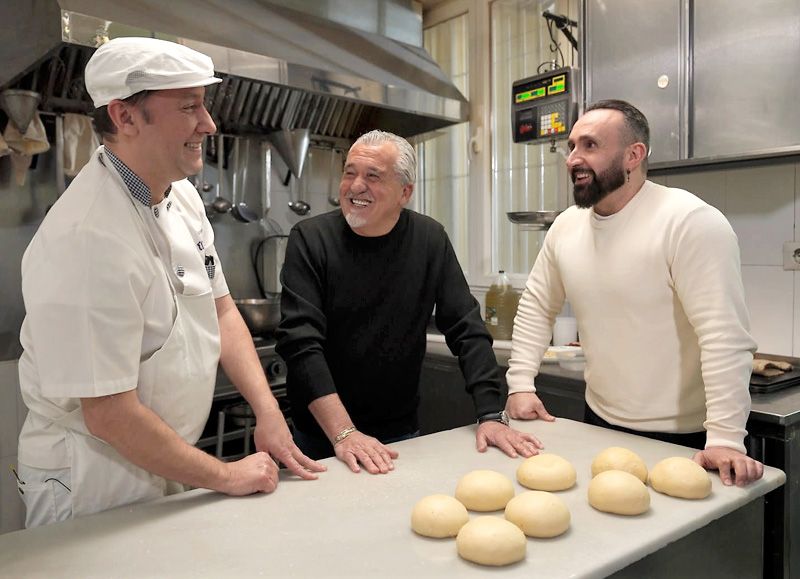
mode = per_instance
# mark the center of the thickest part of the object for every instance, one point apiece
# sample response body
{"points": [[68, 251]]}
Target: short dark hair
{"points": [[103, 124], [638, 130]]}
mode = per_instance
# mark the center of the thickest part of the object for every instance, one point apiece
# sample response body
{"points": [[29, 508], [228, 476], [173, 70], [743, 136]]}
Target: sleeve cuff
{"points": [[725, 440]]}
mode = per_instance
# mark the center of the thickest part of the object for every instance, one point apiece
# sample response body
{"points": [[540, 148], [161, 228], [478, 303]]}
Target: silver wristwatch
{"points": [[494, 417]]}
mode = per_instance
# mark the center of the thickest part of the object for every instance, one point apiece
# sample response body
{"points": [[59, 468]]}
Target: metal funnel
{"points": [[292, 146], [20, 106]]}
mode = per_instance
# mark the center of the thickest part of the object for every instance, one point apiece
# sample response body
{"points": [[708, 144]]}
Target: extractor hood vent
{"points": [[281, 69]]}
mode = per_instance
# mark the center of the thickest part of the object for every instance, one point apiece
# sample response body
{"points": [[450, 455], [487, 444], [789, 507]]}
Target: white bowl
{"points": [[571, 358]]}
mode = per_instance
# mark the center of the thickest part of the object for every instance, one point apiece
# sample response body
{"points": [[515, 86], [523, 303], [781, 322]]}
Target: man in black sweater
{"points": [[359, 286]]}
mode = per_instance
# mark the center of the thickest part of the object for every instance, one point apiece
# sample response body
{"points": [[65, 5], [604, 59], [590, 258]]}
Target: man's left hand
{"points": [[731, 464], [273, 436], [510, 441]]}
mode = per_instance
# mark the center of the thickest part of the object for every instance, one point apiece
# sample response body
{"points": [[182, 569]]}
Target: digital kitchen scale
{"points": [[544, 107]]}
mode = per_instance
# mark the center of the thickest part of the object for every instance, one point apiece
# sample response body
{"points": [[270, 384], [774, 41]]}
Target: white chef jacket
{"points": [[97, 299]]}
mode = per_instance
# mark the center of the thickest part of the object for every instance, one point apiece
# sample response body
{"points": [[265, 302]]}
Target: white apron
{"points": [[176, 382]]}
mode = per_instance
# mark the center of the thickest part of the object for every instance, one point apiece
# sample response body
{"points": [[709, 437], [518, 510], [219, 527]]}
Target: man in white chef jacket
{"points": [[128, 312]]}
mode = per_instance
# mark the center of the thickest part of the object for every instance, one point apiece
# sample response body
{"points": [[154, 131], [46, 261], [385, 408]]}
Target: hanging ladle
{"points": [[220, 204], [240, 211], [297, 205]]}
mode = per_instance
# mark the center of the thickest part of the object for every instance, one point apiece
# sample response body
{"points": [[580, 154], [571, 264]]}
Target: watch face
{"points": [[495, 417]]}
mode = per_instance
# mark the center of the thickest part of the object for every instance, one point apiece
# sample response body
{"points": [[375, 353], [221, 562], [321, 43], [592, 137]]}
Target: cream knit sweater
{"points": [[658, 295]]}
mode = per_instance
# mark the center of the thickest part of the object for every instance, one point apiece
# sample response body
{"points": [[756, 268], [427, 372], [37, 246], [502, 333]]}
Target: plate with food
{"points": [[551, 354]]}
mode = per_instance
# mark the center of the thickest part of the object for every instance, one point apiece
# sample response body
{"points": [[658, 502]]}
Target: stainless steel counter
{"points": [[358, 525]]}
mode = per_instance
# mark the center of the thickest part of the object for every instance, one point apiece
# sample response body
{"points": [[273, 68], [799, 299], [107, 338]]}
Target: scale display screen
{"points": [[544, 106], [540, 89]]}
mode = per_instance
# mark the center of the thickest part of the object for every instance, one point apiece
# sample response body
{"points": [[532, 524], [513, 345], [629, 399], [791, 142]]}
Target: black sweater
{"points": [[354, 312]]}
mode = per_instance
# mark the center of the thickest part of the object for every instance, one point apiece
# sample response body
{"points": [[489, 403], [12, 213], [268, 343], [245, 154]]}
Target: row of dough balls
{"points": [[677, 476], [617, 486]]}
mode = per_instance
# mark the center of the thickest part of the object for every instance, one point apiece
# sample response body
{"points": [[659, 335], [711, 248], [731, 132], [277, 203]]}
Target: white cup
{"points": [[565, 331]]}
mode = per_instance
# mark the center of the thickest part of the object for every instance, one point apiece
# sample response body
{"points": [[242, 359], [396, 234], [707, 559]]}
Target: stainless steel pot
{"points": [[260, 315]]}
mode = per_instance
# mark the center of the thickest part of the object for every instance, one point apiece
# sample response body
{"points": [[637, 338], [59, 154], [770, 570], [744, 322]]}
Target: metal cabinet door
{"points": [[746, 82], [629, 46]]}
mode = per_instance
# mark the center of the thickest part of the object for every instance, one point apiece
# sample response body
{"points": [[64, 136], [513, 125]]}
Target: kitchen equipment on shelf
{"points": [[764, 384], [501, 307], [299, 207], [565, 331], [220, 204], [533, 220], [266, 179], [261, 315], [239, 209], [20, 106], [241, 415], [268, 255], [292, 146], [334, 173], [571, 358], [62, 156]]}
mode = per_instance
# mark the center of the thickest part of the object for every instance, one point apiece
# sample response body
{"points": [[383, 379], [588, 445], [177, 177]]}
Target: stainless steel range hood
{"points": [[282, 69]]}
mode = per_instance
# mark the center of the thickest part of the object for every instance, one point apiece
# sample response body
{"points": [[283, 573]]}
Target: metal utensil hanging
{"points": [[220, 203], [333, 171], [20, 106], [239, 209]]}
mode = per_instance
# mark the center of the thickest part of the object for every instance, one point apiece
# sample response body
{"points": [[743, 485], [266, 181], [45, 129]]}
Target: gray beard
{"points": [[601, 185], [355, 221]]}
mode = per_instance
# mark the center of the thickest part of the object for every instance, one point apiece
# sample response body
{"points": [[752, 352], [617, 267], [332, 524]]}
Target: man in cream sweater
{"points": [[653, 276]]}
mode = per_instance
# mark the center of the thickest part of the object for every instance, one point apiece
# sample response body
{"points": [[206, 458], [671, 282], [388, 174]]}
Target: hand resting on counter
{"points": [[273, 437], [527, 406], [510, 441], [733, 466], [357, 448]]}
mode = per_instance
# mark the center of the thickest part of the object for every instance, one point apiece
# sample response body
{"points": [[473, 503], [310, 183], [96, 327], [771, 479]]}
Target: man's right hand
{"points": [[370, 452], [527, 406], [256, 473]]}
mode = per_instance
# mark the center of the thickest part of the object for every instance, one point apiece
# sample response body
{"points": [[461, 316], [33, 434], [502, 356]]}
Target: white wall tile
{"points": [[760, 206], [9, 427], [707, 185], [12, 511], [769, 292]]}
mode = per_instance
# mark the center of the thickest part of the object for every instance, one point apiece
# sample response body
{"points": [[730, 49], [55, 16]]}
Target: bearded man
{"points": [[653, 275]]}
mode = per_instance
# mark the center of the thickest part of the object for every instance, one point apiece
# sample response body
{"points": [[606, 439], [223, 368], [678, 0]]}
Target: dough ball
{"points": [[546, 472], [538, 514], [484, 490], [617, 458], [680, 477], [438, 516], [491, 541], [618, 492]]}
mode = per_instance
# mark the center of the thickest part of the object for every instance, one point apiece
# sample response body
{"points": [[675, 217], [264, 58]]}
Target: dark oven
{"points": [[228, 434]]}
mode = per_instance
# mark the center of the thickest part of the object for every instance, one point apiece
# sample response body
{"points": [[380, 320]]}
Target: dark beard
{"points": [[601, 185]]}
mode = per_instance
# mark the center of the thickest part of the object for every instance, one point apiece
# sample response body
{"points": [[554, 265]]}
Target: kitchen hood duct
{"points": [[281, 69], [292, 146]]}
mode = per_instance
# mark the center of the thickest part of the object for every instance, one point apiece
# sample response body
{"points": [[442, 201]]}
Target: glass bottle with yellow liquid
{"points": [[501, 307]]}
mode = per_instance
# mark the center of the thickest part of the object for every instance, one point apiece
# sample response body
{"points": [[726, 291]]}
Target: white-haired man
{"points": [[359, 287]]}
